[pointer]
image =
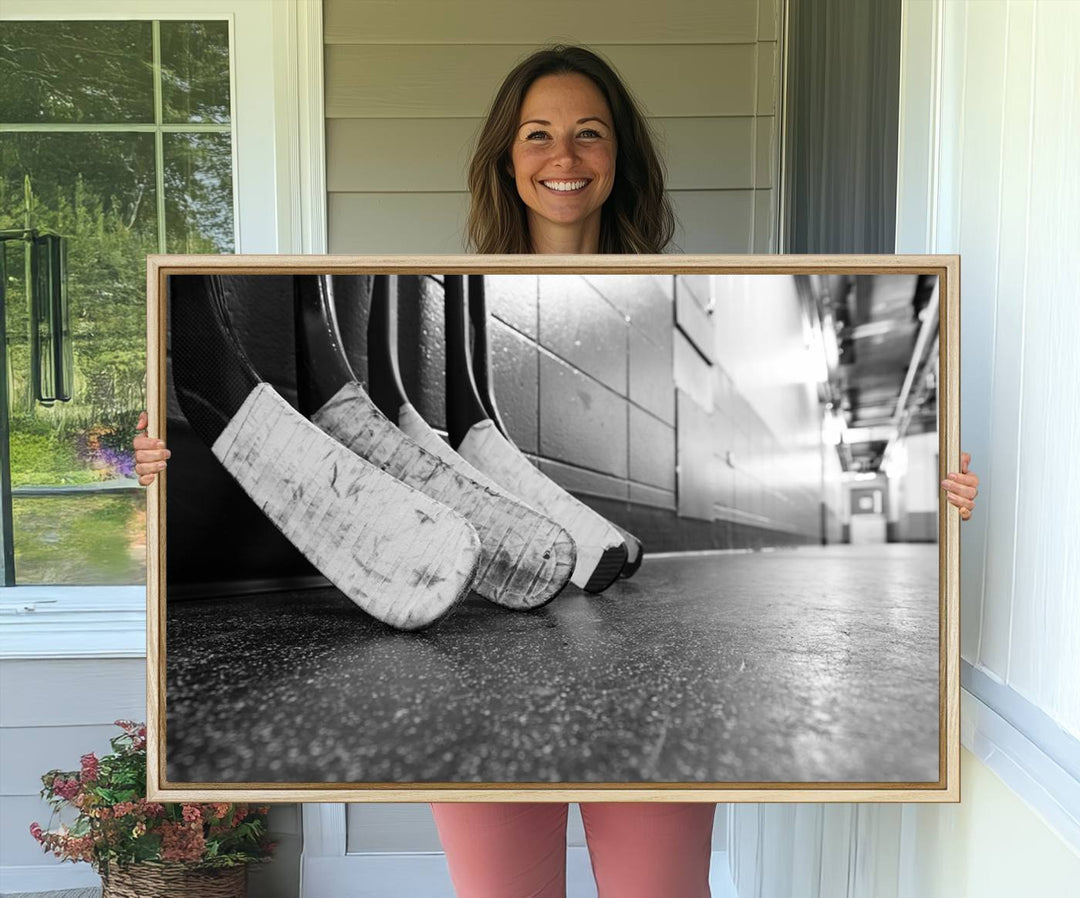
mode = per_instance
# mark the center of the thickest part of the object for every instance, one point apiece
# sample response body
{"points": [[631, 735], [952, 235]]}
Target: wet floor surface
{"points": [[806, 665]]}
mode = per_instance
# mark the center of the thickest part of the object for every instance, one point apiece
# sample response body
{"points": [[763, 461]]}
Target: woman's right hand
{"points": [[150, 453]]}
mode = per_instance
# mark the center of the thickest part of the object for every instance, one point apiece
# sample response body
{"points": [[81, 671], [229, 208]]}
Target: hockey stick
{"points": [[481, 368], [526, 558], [601, 551], [402, 557]]}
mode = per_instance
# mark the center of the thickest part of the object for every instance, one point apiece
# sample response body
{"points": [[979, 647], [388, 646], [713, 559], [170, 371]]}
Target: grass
{"points": [[80, 539]]}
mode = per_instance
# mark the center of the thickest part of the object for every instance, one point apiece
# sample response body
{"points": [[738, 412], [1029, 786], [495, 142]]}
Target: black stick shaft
{"points": [[463, 405], [384, 373]]}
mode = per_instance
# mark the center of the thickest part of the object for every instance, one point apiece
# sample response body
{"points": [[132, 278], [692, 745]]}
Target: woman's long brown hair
{"points": [[636, 217]]}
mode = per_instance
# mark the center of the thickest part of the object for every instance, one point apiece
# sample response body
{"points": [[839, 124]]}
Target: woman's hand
{"points": [[961, 489], [150, 454]]}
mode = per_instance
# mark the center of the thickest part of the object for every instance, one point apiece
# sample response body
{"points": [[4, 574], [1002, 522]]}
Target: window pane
{"points": [[195, 71], [76, 72], [81, 539], [98, 191], [198, 193]]}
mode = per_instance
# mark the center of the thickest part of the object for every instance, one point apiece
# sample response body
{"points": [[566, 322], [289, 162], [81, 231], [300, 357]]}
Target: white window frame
{"points": [[279, 199]]}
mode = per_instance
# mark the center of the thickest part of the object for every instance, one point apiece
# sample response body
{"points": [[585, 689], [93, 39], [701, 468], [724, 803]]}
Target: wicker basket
{"points": [[174, 881]]}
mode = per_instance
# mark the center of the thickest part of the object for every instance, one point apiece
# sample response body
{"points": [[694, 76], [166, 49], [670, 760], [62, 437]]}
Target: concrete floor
{"points": [[813, 664]]}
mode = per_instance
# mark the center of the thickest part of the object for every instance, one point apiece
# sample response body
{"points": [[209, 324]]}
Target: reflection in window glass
{"points": [[198, 193], [97, 190], [54, 72], [195, 71], [83, 539], [78, 514]]}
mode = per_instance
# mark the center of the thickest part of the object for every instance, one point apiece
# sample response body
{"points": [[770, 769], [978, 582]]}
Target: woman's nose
{"points": [[564, 150]]}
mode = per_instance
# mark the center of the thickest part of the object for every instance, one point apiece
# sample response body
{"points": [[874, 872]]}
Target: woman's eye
{"points": [[589, 132], [536, 135]]}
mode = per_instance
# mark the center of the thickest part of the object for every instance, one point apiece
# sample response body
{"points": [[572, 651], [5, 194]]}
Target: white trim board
{"points": [[1023, 766], [72, 622]]}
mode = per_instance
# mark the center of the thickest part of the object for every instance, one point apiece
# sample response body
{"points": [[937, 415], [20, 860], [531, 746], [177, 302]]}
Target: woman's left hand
{"points": [[962, 488]]}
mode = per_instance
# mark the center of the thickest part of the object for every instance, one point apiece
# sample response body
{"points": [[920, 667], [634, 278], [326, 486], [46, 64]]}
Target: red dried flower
{"points": [[182, 842], [36, 831], [192, 814], [89, 767], [65, 788]]}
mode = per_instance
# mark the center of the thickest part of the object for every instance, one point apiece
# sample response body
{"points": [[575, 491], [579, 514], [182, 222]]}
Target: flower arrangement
{"points": [[116, 825]]}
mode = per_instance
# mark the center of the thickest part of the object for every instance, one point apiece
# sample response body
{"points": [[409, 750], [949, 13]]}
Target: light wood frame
{"points": [[946, 789]]}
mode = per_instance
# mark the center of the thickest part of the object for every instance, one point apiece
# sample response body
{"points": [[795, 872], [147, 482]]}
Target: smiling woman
{"points": [[565, 163]]}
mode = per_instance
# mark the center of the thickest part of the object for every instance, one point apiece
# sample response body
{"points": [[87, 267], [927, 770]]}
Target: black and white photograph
{"points": [[505, 529]]}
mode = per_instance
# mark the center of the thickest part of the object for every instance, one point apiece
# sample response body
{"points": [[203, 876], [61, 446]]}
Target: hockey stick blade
{"points": [[601, 550], [397, 554]]}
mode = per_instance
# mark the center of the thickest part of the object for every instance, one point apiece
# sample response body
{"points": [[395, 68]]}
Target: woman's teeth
{"points": [[564, 186]]}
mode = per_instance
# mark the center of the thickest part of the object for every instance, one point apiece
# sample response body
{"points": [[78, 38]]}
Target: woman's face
{"points": [[563, 154]]}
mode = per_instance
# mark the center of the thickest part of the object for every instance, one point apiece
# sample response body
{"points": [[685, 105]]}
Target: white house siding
{"points": [[408, 83]]}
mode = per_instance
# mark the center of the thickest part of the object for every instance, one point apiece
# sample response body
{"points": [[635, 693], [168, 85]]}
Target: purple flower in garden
{"points": [[120, 462]]}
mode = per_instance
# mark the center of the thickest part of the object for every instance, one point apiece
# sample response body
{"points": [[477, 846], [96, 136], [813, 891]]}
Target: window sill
{"points": [[73, 622]]}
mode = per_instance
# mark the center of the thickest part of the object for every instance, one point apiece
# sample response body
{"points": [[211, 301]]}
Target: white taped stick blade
{"points": [[399, 555], [526, 558], [601, 550]]}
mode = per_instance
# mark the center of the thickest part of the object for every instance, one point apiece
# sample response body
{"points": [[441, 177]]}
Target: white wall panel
{"points": [[1002, 463], [978, 165], [1045, 639], [1008, 200]]}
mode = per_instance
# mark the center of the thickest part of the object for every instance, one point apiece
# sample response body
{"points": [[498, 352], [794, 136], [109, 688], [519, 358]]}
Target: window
{"points": [[117, 136]]}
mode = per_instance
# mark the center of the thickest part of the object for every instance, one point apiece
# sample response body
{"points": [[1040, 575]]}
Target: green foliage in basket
{"points": [[115, 824]]}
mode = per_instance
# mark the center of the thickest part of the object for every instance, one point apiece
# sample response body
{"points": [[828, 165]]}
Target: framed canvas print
{"points": [[553, 528]]}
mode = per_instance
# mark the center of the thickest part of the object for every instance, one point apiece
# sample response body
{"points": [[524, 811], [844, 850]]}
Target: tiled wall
{"points": [[672, 405], [624, 390]]}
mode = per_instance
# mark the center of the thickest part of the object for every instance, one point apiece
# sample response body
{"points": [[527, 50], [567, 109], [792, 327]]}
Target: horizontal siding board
{"points": [[706, 153], [768, 75], [768, 27], [398, 154], [432, 154], [765, 221], [28, 752], [17, 846], [412, 223], [764, 152], [713, 221], [72, 692], [374, 81], [636, 21]]}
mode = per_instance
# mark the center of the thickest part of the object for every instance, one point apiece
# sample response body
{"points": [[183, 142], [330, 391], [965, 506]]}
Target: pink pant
{"points": [[517, 850]]}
